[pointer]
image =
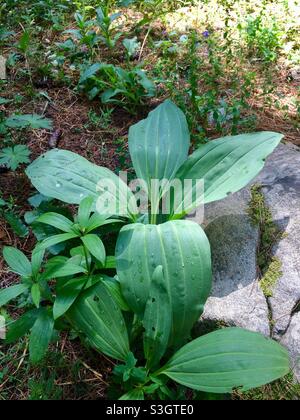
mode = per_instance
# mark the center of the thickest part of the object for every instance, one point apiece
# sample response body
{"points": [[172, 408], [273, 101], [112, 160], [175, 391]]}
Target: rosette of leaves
{"points": [[115, 85], [163, 263]]}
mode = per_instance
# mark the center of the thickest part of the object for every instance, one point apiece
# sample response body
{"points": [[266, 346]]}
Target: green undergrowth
{"points": [[62, 375]]}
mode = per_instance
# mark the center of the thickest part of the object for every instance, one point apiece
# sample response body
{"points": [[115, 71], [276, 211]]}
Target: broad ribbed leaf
{"points": [[115, 290], [97, 221], [52, 265], [56, 239], [67, 292], [228, 164], [157, 319], [36, 260], [56, 220], [17, 261], [227, 359], [95, 247], [12, 292], [97, 315], [40, 336], [69, 177], [36, 294], [68, 268], [159, 144], [182, 249]]}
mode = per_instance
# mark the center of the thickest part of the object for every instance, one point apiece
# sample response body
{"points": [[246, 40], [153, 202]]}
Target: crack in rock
{"points": [[236, 297], [281, 180]]}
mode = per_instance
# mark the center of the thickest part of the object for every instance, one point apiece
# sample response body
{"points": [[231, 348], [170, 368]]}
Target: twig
{"points": [[144, 43]]}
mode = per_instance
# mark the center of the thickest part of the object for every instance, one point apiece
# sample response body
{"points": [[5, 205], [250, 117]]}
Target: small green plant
{"points": [[263, 41], [85, 34], [91, 32], [13, 157], [45, 301], [132, 46], [100, 120], [114, 85], [10, 214], [105, 22], [22, 122]]}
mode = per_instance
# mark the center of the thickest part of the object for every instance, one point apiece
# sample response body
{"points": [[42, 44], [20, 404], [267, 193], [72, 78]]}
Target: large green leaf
{"points": [[157, 319], [56, 220], [17, 261], [37, 260], [66, 268], [182, 249], [226, 165], [95, 247], [84, 211], [67, 292], [114, 288], [56, 239], [227, 359], [97, 315], [36, 294], [12, 292], [40, 336], [97, 221], [70, 178], [159, 144]]}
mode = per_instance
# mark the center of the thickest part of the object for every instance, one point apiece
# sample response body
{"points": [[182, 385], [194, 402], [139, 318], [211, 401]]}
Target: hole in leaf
{"points": [[96, 299]]}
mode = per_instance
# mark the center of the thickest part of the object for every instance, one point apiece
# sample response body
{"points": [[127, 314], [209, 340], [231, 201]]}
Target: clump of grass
{"points": [[284, 389], [69, 372]]}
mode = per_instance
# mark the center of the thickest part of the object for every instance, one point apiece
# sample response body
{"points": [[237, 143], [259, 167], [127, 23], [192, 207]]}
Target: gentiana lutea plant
{"points": [[163, 262]]}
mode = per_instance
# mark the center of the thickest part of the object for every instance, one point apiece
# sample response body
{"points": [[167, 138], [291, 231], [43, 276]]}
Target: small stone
{"points": [[294, 74]]}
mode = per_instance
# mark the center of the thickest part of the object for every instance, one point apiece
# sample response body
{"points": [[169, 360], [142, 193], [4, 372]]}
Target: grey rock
{"points": [[236, 297], [294, 74], [281, 181], [291, 341]]}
